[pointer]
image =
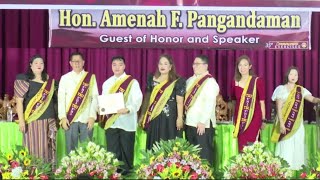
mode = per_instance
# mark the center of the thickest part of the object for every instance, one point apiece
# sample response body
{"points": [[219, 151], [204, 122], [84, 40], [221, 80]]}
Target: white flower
{"points": [[16, 172], [288, 173], [227, 175], [65, 161], [105, 175], [91, 145], [58, 171], [156, 177], [238, 159], [115, 161], [251, 148], [72, 153]]}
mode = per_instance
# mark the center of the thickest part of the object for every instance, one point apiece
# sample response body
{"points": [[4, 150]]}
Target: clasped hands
{"points": [[66, 124]]}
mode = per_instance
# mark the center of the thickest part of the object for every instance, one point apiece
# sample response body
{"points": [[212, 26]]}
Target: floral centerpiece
{"points": [[257, 163], [173, 159], [312, 170], [19, 164], [91, 160]]}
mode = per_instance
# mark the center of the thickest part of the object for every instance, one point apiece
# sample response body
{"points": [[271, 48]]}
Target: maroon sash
{"points": [[187, 102], [79, 98], [289, 122], [45, 94], [123, 87], [153, 104], [247, 105]]}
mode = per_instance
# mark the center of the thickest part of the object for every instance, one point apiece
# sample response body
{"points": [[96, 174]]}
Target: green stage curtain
{"points": [[225, 146]]}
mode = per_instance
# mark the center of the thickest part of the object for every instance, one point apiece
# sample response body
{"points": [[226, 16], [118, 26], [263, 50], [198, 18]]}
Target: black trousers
{"points": [[121, 143], [205, 141]]}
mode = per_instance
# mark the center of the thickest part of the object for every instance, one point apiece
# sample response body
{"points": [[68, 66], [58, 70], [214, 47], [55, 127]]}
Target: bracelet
{"points": [[264, 120]]}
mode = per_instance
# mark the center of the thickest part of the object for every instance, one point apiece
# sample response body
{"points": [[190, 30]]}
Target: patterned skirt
{"points": [[40, 139]]}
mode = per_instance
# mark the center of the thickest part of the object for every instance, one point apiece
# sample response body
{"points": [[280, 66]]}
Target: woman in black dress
{"points": [[162, 110], [35, 93]]}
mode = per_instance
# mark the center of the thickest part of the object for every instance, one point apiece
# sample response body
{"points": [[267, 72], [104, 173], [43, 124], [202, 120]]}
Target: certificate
{"points": [[110, 103]]}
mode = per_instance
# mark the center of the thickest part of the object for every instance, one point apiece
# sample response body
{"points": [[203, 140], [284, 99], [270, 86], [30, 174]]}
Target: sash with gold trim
{"points": [[246, 106], [158, 99], [80, 97], [40, 102], [122, 86], [292, 113], [193, 92]]}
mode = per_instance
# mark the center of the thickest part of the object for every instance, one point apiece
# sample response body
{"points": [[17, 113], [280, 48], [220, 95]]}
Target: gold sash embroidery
{"points": [[81, 97], [246, 106], [292, 114], [158, 99], [40, 102], [194, 91]]}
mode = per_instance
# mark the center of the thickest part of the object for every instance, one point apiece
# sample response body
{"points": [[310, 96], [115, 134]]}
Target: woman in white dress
{"points": [[288, 131]]}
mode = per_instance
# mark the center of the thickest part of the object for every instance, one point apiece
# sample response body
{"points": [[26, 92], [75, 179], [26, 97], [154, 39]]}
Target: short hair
{"points": [[204, 58], [121, 58], [76, 54], [30, 75]]}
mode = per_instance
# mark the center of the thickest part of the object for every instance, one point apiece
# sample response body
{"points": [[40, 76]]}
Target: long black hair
{"points": [[30, 75], [286, 76]]}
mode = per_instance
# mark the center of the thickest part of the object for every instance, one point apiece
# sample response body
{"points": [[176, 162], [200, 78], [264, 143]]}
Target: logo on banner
{"points": [[287, 45]]}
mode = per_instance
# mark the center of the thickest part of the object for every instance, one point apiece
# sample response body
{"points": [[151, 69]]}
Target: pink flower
{"points": [[186, 168], [44, 177], [253, 176], [68, 170], [194, 175], [92, 173], [14, 164], [58, 171], [169, 164], [160, 168], [114, 176], [177, 164]]}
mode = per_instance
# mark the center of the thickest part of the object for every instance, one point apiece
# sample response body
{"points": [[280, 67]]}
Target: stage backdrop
{"points": [[25, 33]]}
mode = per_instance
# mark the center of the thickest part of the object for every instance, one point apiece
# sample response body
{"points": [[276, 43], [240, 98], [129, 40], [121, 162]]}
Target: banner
{"points": [[179, 27], [243, 3]]}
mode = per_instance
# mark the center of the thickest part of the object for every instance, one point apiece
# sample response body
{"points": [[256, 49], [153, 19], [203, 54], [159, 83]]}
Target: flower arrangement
{"points": [[312, 170], [257, 163], [89, 160], [19, 164], [173, 159]]}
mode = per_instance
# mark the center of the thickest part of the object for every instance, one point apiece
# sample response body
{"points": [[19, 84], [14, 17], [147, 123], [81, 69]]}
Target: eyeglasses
{"points": [[75, 62], [197, 64]]}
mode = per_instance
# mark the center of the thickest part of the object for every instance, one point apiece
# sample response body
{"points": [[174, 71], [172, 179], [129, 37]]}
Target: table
{"points": [[225, 146]]}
